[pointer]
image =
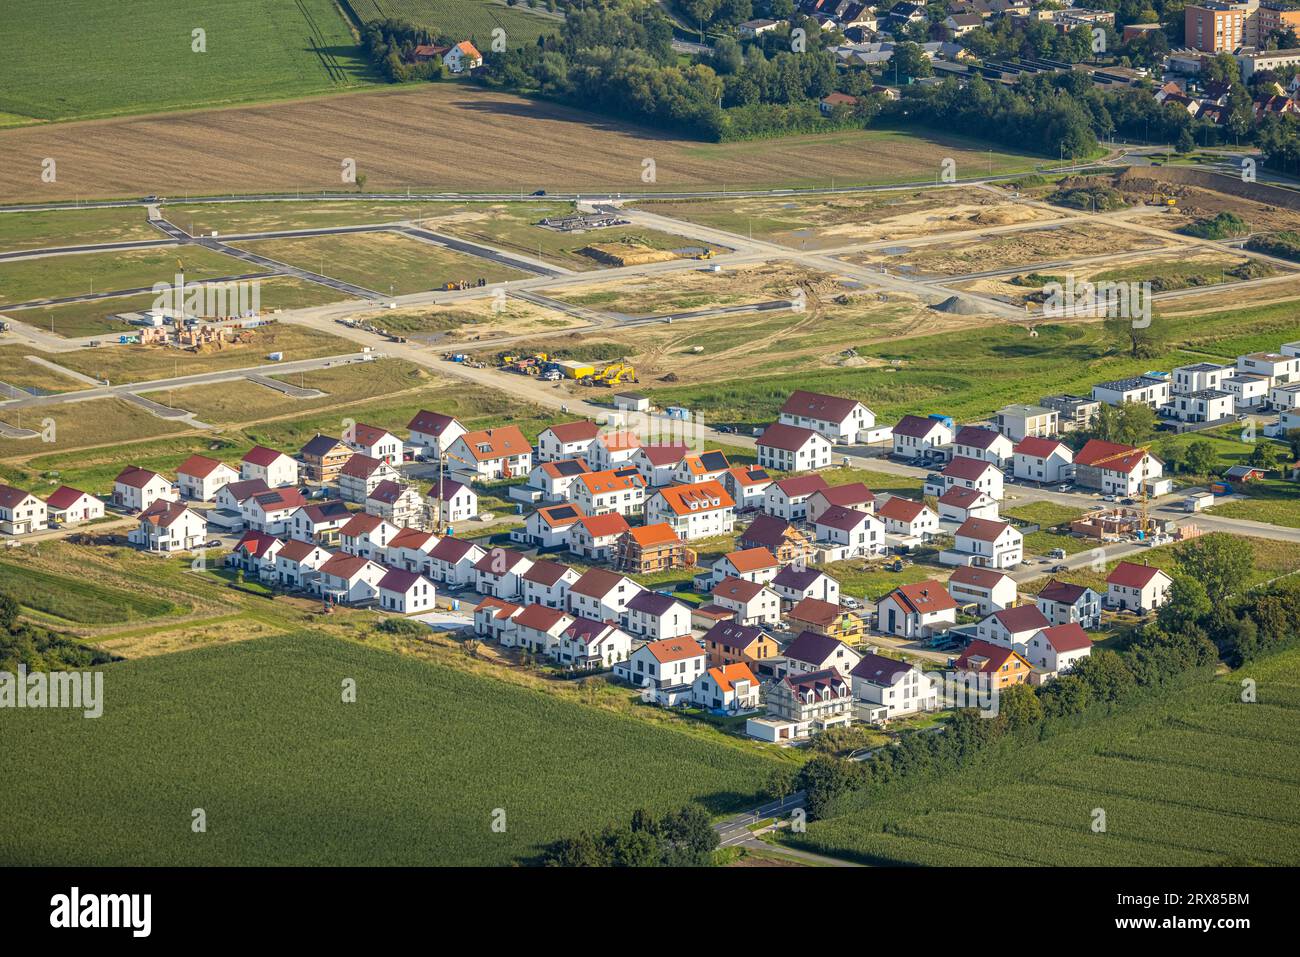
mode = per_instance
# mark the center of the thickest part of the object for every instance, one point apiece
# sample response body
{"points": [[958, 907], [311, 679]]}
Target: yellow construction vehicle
{"points": [[615, 373], [707, 254]]}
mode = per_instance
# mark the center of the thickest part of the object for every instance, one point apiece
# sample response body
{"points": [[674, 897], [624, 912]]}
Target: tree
{"points": [[8, 614], [1184, 143], [1293, 440], [910, 61], [1266, 455], [1221, 563], [1020, 707], [1188, 604], [781, 783], [1142, 340], [1200, 457]]}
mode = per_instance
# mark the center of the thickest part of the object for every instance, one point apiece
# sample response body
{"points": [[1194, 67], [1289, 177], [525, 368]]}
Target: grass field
{"points": [[255, 734], [384, 262], [100, 422], [226, 218], [517, 144], [473, 19], [1195, 778], [255, 50], [28, 280], [73, 227], [77, 601], [77, 319]]}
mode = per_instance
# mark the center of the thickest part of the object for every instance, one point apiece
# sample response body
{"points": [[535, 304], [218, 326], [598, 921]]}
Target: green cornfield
{"points": [[464, 19]]}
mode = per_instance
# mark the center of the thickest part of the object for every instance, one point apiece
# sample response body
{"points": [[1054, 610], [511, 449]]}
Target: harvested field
{"points": [[519, 144], [843, 220]]}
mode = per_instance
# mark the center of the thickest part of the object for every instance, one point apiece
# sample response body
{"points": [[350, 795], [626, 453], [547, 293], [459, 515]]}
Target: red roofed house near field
{"points": [[200, 477], [730, 688], [493, 453], [1002, 666], [1057, 648], [270, 465], [793, 449], [841, 421], [68, 506], [916, 611], [1114, 469], [1136, 588], [431, 434], [664, 670], [693, 511], [1043, 460]]}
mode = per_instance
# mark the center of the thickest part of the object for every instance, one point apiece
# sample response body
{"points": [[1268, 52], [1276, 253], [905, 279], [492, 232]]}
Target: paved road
{"points": [[735, 832]]}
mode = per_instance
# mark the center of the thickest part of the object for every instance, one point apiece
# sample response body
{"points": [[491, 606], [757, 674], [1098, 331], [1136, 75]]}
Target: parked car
{"points": [[1108, 498], [1128, 501], [1059, 568], [851, 603]]}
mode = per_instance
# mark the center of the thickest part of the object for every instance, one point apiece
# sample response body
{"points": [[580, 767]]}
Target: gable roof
{"points": [[296, 550], [796, 578], [320, 446], [749, 474], [843, 519], [602, 526], [485, 445], [979, 577], [663, 455], [726, 676], [369, 434], [767, 530], [278, 498], [982, 529], [751, 559], [990, 657], [507, 558], [540, 617], [596, 583], [848, 496], [560, 516], [703, 463], [12, 497], [660, 533], [565, 468], [361, 523], [262, 456], [968, 469], [200, 466], [452, 550], [343, 565], [1095, 450], [900, 509], [959, 496], [977, 437], [1132, 575], [243, 490], [734, 637], [1021, 618], [1069, 637], [879, 670], [1038, 447], [164, 513], [611, 480], [361, 466], [65, 496], [399, 580], [256, 543], [737, 589], [1065, 593], [546, 572], [923, 598], [814, 405], [916, 427], [431, 423], [331, 511], [413, 538], [136, 477], [812, 648], [673, 649], [582, 430], [651, 603], [815, 612], [816, 682], [702, 495], [388, 492], [802, 485], [791, 438]]}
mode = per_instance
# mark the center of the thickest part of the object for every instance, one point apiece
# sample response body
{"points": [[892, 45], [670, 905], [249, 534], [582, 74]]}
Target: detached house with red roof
{"points": [[70, 506], [453, 561], [917, 437], [959, 504], [658, 463], [908, 519], [451, 502], [21, 512], [490, 454], [602, 595], [272, 511], [405, 592], [500, 573], [272, 466], [1058, 648], [568, 440], [1113, 468], [649, 548], [431, 434], [918, 610], [297, 564], [588, 645], [1013, 627], [840, 421], [984, 445], [368, 536], [998, 665], [973, 474], [985, 588], [361, 475], [850, 533], [730, 688], [319, 522], [168, 526], [653, 616], [789, 448], [548, 583], [375, 442], [747, 564], [409, 549], [826, 618], [664, 670], [256, 553], [597, 536], [1043, 460], [135, 489], [200, 477], [788, 498], [1063, 603], [548, 526], [986, 544], [693, 511], [349, 579], [751, 603], [1136, 588], [398, 503], [854, 495]]}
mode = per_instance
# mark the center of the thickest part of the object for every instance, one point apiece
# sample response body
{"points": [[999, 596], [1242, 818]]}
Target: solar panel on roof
{"points": [[568, 467], [564, 511], [714, 460]]}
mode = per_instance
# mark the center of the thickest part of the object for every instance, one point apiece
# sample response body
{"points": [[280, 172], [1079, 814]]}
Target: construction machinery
{"points": [[707, 254], [615, 373], [1144, 520]]}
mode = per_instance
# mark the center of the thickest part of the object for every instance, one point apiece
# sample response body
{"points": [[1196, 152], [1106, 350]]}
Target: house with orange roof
{"points": [[462, 58], [1002, 667], [708, 466], [746, 485], [494, 618], [1136, 588], [693, 511], [613, 449], [200, 477], [730, 688], [548, 526], [664, 670], [918, 610], [168, 526], [272, 466], [649, 548], [568, 440], [620, 490], [747, 564], [490, 454], [596, 536]]}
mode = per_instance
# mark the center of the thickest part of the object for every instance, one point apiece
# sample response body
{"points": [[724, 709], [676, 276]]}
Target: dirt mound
{"points": [[625, 254], [958, 306]]}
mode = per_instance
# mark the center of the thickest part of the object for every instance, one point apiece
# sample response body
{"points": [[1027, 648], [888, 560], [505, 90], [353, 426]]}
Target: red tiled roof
{"points": [[583, 430], [136, 477], [737, 589], [968, 469], [923, 597], [751, 559], [1069, 637], [600, 526], [900, 509], [815, 612], [814, 405], [979, 577], [1131, 575], [1022, 618], [994, 656], [65, 496], [982, 529], [1039, 448], [1122, 458], [261, 455], [200, 466], [802, 485], [791, 438], [674, 649]]}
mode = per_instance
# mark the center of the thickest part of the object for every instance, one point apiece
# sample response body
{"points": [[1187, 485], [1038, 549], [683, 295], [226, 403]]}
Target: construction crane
{"points": [[1142, 485]]}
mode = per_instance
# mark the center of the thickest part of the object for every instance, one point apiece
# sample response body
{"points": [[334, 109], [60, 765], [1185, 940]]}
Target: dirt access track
{"points": [[434, 137]]}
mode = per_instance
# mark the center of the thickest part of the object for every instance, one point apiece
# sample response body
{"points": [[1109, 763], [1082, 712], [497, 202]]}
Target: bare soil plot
{"points": [[1192, 202], [1048, 244], [846, 219], [385, 262], [97, 316], [484, 318], [516, 144]]}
